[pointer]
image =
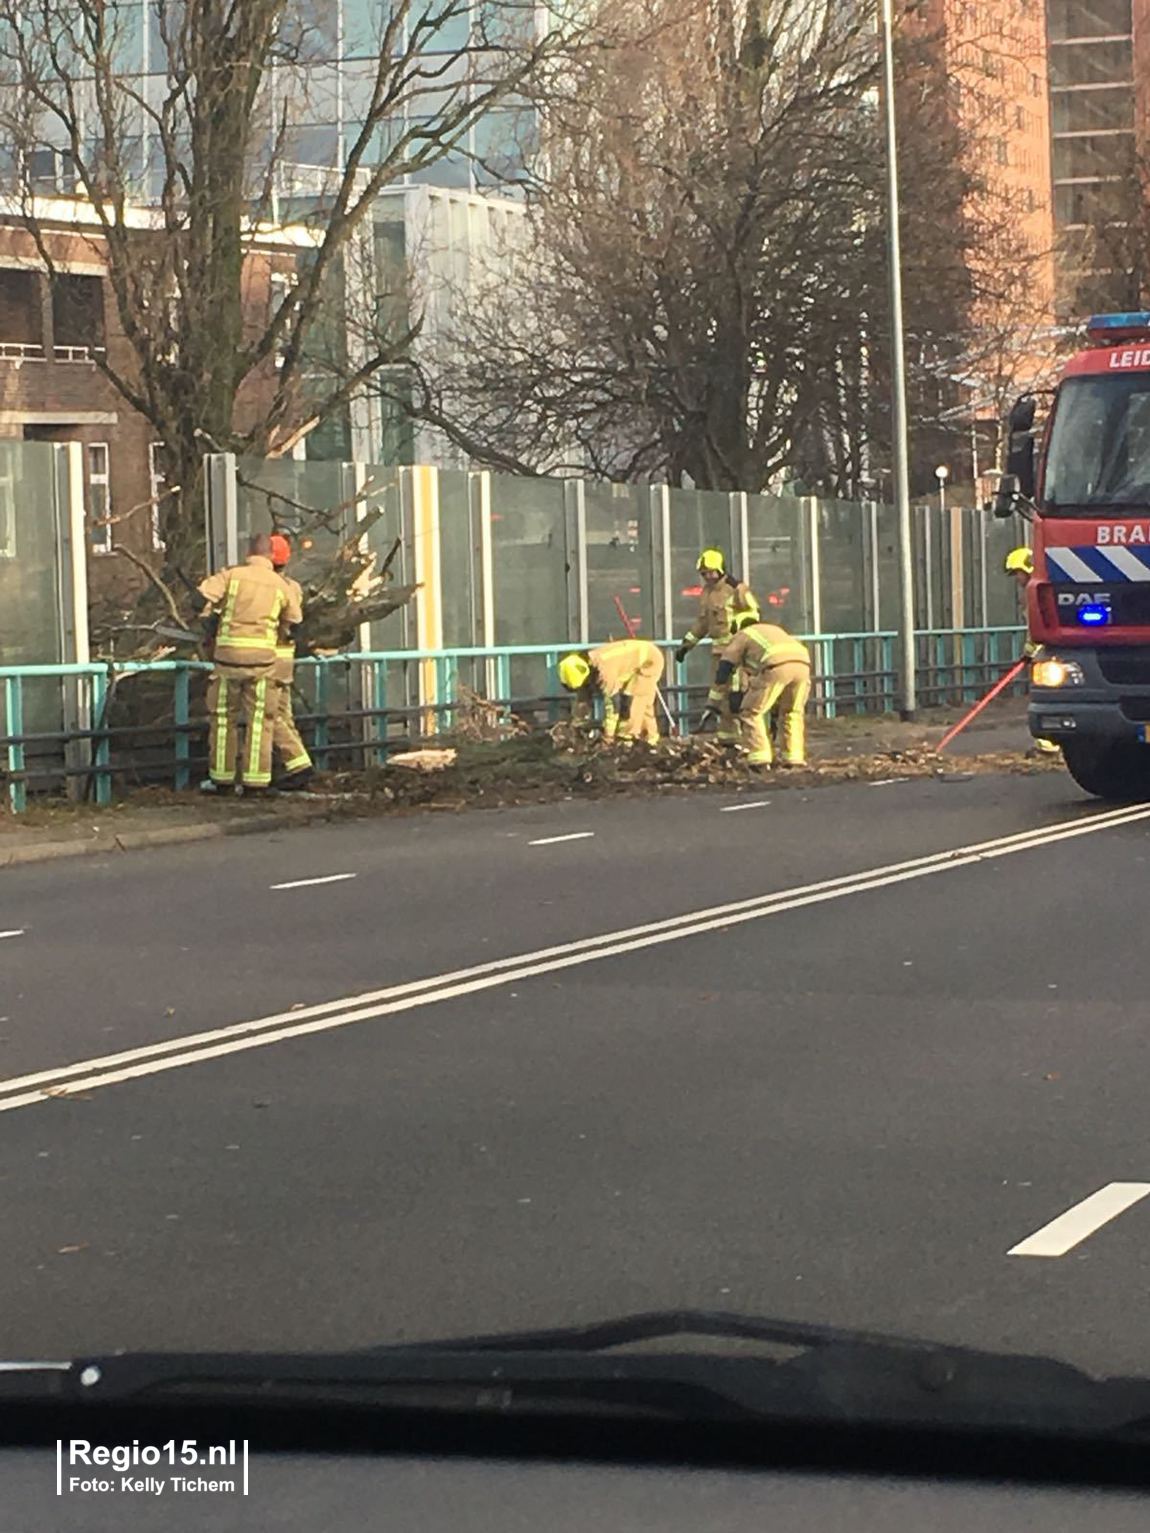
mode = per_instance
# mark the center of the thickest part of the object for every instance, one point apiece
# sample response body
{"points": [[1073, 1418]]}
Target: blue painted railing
{"points": [[393, 696]]}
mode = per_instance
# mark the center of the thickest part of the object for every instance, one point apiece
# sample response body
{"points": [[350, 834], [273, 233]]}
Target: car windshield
{"points": [[1099, 453]]}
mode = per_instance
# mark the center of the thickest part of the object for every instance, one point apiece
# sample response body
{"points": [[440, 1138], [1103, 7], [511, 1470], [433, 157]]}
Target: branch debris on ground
{"points": [[547, 765]]}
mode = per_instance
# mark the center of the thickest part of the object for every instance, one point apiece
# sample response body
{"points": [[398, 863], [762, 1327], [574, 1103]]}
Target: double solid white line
{"points": [[133, 1064]]}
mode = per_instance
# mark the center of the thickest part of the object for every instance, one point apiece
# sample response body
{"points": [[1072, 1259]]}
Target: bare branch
{"points": [[154, 580]]}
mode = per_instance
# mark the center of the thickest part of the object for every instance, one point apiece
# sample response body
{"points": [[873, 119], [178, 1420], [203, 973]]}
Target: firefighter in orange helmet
{"points": [[290, 753]]}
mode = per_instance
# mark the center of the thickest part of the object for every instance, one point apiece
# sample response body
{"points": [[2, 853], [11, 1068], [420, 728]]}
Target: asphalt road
{"points": [[847, 1102]]}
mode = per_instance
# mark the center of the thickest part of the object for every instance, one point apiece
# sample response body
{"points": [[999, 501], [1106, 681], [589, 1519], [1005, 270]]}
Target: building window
{"points": [[51, 170], [157, 484], [1001, 152], [1106, 62], [99, 497], [77, 317], [1088, 18], [21, 317]]}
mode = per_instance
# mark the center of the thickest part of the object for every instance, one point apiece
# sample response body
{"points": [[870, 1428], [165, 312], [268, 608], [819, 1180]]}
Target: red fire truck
{"points": [[1085, 482]]}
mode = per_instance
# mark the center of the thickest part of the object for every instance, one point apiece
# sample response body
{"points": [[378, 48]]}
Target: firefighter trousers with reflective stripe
{"points": [[290, 751], [785, 687], [642, 722], [235, 693], [719, 697]]}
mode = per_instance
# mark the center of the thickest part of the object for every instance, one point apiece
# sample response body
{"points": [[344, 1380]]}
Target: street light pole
{"points": [[908, 701]]}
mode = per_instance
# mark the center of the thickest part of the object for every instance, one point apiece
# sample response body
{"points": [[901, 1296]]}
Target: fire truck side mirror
{"points": [[1022, 414], [1020, 461], [1005, 501]]}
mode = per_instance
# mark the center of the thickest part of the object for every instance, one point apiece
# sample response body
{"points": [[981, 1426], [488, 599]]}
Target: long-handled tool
{"points": [[632, 629], [999, 686]]}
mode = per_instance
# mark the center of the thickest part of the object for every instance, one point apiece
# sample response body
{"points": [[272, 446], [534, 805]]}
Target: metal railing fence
{"points": [[359, 707]]}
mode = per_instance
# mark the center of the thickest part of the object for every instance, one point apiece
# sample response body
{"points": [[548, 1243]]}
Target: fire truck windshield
{"points": [[1099, 451]]}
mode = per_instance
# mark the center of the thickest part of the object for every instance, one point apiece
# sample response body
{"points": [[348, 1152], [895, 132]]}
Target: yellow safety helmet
{"points": [[744, 619], [711, 559], [1019, 559], [574, 671]]}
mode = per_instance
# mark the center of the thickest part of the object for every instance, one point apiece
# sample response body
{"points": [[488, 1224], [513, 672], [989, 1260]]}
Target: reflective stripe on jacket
{"points": [[763, 645], [256, 607], [717, 607]]}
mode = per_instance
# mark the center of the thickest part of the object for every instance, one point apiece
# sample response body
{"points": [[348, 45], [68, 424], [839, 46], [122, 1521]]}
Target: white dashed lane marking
{"points": [[762, 803], [578, 835], [11, 934], [1071, 1228], [306, 883]]}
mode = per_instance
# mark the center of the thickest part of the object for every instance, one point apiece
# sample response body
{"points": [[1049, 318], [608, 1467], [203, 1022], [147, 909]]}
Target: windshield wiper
{"points": [[829, 1376]]}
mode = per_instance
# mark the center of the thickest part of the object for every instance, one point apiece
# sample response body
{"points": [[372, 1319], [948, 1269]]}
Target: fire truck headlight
{"points": [[1056, 673]]}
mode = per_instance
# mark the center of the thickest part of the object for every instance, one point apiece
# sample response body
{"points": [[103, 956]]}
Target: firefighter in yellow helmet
{"points": [[1019, 564], [778, 674], [723, 598], [626, 675]]}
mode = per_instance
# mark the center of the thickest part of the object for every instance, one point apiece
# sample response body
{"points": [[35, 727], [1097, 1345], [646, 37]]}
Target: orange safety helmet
{"points": [[281, 549]]}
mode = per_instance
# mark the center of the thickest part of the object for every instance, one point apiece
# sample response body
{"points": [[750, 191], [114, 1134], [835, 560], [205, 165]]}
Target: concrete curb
{"points": [[163, 835]]}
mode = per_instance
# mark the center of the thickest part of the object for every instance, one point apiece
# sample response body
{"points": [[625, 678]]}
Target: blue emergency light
{"points": [[1109, 329], [1094, 616]]}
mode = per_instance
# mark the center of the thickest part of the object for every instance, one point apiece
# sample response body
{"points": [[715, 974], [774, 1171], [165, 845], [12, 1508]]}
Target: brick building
{"points": [[994, 53], [1100, 120], [52, 334]]}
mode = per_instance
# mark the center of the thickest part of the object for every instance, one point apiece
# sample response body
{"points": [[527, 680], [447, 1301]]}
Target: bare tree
{"points": [[699, 286], [667, 309], [185, 171]]}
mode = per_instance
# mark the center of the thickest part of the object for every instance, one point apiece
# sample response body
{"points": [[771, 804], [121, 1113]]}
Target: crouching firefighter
{"points": [[777, 669], [626, 675]]}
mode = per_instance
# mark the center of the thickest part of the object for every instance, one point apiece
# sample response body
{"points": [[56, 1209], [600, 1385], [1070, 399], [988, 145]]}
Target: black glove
{"points": [[735, 700], [681, 653], [622, 701], [709, 723]]}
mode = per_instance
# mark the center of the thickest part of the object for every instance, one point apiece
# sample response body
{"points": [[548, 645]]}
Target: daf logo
{"points": [[1084, 599]]}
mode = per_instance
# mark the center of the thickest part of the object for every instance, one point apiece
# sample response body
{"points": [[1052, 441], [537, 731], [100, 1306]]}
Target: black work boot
{"points": [[295, 781]]}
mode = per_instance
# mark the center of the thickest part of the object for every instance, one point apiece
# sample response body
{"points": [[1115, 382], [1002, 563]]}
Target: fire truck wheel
{"points": [[1120, 773]]}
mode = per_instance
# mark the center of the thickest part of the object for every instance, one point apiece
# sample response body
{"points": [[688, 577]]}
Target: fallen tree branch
{"points": [[146, 569]]}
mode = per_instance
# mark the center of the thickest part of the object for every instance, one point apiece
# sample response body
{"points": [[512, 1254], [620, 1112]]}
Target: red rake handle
{"points": [[999, 686], [631, 631], [626, 621]]}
